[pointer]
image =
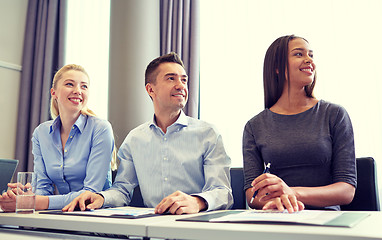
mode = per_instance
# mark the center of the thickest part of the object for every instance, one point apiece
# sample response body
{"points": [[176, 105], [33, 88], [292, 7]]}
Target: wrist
{"points": [[42, 202], [202, 203], [297, 193]]}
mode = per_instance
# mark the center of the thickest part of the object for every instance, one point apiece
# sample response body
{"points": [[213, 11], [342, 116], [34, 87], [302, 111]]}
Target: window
{"points": [[346, 41], [87, 44]]}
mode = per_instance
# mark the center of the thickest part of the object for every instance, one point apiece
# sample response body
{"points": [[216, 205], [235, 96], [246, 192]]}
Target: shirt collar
{"points": [[182, 120], [80, 123]]}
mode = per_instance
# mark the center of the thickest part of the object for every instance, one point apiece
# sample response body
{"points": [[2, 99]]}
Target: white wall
{"points": [[12, 25]]}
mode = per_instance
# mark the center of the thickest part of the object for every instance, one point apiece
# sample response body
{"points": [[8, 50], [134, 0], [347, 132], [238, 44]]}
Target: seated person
{"points": [[72, 152], [309, 142], [179, 162]]}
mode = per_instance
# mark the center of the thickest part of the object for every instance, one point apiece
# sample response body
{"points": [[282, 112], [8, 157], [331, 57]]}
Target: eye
{"points": [[85, 86], [171, 78], [311, 55], [69, 84], [184, 80], [298, 54]]}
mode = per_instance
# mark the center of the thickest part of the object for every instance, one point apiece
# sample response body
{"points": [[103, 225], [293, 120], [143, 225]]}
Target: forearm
{"points": [[42, 202], [339, 193]]}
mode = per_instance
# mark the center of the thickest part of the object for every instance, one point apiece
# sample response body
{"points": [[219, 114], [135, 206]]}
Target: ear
{"points": [[53, 93], [150, 90]]}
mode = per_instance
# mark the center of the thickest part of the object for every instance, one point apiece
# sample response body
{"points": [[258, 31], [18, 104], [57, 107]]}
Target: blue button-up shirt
{"points": [[84, 164], [189, 157]]}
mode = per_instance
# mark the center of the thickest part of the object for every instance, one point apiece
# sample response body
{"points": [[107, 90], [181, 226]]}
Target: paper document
{"points": [[303, 217], [120, 212], [123, 211]]}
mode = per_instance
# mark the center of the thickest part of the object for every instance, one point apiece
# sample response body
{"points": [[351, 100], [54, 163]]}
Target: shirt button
{"points": [[66, 150], [165, 159], [165, 179], [165, 139], [71, 136], [72, 127], [61, 166]]}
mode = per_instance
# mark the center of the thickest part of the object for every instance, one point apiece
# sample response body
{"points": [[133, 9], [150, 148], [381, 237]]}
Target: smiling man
{"points": [[179, 162]]}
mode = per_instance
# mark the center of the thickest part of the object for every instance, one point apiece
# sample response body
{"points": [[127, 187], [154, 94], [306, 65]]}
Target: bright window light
{"points": [[346, 42], [88, 45]]}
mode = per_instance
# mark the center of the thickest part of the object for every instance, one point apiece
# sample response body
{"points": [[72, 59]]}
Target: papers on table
{"points": [[126, 211], [306, 216], [121, 212], [310, 217]]}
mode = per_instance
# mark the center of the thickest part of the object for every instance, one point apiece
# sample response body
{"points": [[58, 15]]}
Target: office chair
{"points": [[237, 185], [366, 196]]}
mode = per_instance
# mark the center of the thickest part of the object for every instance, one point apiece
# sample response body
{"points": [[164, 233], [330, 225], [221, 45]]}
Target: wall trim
{"points": [[11, 66]]}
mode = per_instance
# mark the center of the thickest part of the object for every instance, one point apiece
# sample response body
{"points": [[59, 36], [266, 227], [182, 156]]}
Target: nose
{"points": [[77, 90], [180, 85], [309, 59]]}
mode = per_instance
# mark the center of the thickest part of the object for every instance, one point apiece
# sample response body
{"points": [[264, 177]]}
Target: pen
{"points": [[266, 170]]}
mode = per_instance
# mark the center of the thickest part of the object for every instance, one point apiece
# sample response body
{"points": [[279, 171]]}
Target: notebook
{"points": [[7, 169]]}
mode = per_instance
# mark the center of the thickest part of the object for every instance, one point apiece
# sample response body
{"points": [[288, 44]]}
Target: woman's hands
{"points": [[8, 198], [274, 193]]}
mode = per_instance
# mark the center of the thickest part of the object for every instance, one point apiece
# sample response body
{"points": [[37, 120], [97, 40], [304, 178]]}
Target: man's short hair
{"points": [[151, 70]]}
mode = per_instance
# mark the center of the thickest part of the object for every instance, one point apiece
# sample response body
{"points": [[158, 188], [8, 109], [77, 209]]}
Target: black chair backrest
{"points": [[366, 196], [137, 200], [237, 185]]}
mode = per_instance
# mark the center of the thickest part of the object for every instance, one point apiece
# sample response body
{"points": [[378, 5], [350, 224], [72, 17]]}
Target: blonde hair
{"points": [[54, 112]]}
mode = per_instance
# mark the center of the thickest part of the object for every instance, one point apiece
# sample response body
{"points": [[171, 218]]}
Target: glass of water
{"points": [[26, 189]]}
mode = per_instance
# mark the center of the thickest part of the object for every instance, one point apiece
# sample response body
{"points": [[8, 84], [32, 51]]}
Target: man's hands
{"points": [[87, 200], [176, 203], [179, 203]]}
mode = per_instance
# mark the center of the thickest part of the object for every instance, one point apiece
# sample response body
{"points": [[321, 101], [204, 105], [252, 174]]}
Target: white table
{"points": [[168, 228], [102, 225], [369, 228]]}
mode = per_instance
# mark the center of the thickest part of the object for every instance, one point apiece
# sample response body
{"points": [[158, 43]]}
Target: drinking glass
{"points": [[26, 188]]}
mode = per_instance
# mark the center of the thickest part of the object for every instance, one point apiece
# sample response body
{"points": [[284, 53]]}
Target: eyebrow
{"points": [[74, 81], [174, 74], [301, 49]]}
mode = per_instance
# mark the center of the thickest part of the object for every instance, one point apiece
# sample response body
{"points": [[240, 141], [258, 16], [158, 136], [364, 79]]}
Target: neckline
{"points": [[297, 114]]}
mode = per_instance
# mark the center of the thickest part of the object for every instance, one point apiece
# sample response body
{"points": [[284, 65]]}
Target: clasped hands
{"points": [[8, 198], [274, 193]]}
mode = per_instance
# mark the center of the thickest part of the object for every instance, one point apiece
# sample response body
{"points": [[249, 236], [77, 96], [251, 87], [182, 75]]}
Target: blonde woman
{"points": [[74, 151]]}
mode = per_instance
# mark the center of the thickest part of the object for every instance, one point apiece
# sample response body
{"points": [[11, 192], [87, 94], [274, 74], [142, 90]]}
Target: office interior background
{"points": [[234, 35]]}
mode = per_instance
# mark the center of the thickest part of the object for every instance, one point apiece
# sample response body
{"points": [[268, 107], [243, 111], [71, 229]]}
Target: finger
{"points": [[68, 207], [301, 205], [65, 209], [164, 206], [96, 202], [294, 202], [81, 203], [286, 203], [12, 185], [279, 204], [161, 207], [268, 205], [71, 206], [11, 194], [175, 206], [167, 202]]}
